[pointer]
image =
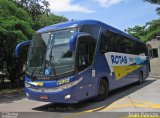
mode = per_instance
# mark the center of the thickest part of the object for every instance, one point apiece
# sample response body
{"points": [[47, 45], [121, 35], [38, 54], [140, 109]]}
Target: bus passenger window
{"points": [[105, 42]]}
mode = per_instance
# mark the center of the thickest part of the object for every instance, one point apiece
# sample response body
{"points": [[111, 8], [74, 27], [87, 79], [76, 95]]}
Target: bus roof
{"points": [[70, 24]]}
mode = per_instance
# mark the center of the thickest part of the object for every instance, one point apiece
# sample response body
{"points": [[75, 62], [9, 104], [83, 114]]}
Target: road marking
{"points": [[140, 117], [126, 102], [122, 103], [75, 115]]}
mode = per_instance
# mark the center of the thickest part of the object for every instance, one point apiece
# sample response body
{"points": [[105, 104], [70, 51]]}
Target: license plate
{"points": [[43, 97]]}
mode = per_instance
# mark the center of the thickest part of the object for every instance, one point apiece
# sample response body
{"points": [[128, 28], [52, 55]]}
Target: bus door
{"points": [[85, 53]]}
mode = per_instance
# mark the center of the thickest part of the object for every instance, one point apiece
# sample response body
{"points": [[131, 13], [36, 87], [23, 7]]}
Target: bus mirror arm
{"points": [[18, 47], [76, 36]]}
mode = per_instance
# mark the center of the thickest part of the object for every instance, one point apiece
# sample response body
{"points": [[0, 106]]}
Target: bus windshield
{"points": [[51, 50]]}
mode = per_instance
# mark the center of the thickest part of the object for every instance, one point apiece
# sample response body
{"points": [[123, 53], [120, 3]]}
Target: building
{"points": [[154, 47]]}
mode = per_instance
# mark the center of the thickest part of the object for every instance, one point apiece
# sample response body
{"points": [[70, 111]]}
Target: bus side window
{"points": [[114, 42], [105, 42]]}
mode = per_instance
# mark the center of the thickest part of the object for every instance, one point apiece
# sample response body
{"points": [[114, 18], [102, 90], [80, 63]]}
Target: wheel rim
{"points": [[102, 89]]}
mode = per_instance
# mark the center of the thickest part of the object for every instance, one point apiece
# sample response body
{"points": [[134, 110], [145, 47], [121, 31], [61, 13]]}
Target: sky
{"points": [[120, 14]]}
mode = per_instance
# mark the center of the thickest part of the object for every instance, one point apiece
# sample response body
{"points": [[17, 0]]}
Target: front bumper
{"points": [[56, 97]]}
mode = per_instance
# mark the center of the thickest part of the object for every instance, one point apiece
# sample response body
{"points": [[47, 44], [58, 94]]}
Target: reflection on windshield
{"points": [[51, 51], [37, 50]]}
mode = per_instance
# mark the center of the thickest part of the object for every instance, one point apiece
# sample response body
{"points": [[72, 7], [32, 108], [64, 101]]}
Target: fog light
{"points": [[67, 97], [27, 94]]}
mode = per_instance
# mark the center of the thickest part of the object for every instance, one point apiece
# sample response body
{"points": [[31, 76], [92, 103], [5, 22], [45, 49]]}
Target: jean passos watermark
{"points": [[9, 115], [144, 115]]}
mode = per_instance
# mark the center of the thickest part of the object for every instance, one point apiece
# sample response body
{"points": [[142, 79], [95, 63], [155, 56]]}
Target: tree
{"points": [[150, 30], [15, 26], [18, 21], [137, 31], [153, 29], [157, 2], [40, 13], [45, 20], [34, 7], [147, 32]]}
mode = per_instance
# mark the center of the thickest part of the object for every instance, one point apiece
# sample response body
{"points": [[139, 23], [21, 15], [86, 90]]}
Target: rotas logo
{"points": [[117, 59]]}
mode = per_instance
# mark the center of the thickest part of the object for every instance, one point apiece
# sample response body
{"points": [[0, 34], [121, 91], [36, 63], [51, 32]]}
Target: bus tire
{"points": [[141, 77], [103, 91]]}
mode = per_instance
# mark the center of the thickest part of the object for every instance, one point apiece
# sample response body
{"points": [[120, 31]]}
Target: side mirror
{"points": [[18, 47], [75, 38]]}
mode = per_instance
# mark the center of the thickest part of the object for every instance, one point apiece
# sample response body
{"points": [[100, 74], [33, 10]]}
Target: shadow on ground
{"points": [[89, 104]]}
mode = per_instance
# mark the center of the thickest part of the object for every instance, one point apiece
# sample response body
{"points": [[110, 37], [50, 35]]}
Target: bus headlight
{"points": [[67, 97]]}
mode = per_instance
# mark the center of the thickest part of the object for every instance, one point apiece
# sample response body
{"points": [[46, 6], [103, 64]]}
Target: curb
{"points": [[158, 77]]}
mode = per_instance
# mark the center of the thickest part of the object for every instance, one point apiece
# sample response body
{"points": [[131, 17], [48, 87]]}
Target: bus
{"points": [[78, 60]]}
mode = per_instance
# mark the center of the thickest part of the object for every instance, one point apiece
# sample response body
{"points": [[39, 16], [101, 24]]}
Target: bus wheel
{"points": [[103, 91], [140, 78]]}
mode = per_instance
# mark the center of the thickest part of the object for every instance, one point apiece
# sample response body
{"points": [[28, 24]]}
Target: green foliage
{"points": [[8, 8], [34, 7], [18, 21], [39, 12], [45, 20], [15, 26], [137, 31], [153, 1], [153, 29], [157, 2], [150, 30], [147, 32]]}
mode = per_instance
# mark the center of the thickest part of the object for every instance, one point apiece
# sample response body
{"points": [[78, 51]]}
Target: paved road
{"points": [[133, 98]]}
